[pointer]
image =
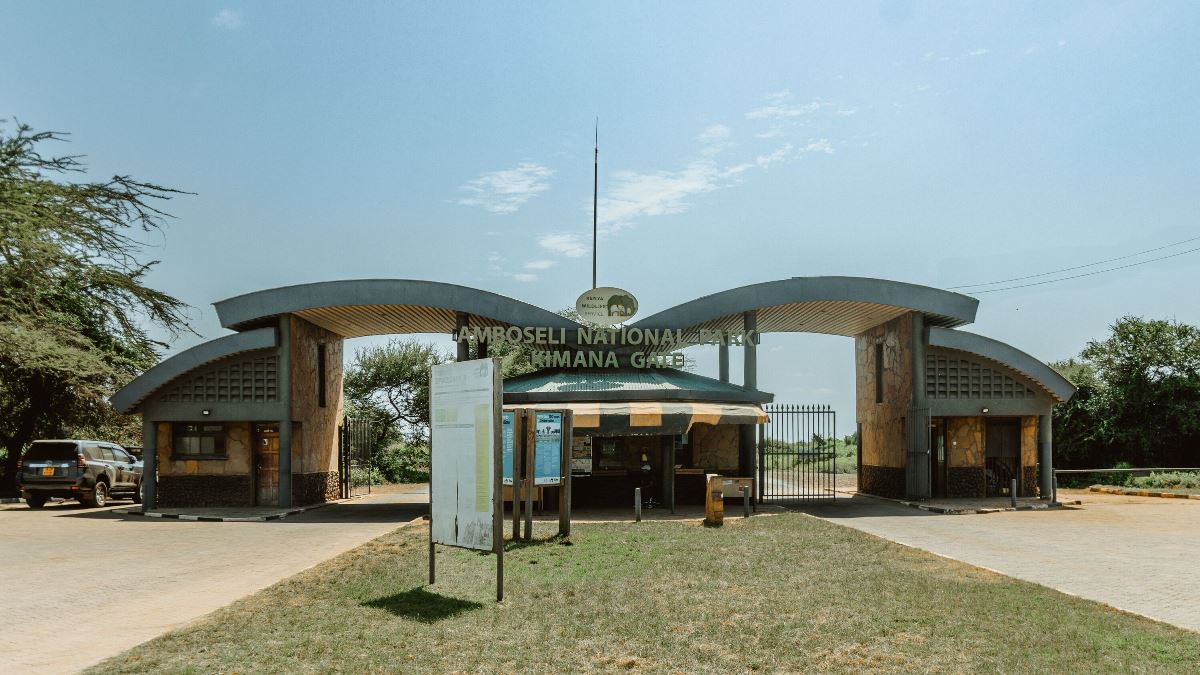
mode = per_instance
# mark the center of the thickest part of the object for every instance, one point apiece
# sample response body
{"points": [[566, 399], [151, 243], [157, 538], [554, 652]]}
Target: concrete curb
{"points": [[11, 500], [1127, 492], [951, 511], [224, 519]]}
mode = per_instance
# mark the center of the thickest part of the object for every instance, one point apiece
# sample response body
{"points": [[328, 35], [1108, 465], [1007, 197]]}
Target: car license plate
{"points": [[48, 471]]}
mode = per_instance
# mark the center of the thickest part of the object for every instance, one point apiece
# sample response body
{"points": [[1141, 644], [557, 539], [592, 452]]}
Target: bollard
{"points": [[745, 502], [637, 504], [1012, 493], [1054, 492]]}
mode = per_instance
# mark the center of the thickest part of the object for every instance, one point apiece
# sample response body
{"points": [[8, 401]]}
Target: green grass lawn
{"points": [[772, 593]]}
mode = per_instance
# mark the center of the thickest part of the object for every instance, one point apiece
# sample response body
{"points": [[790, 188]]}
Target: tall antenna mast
{"points": [[595, 197]]}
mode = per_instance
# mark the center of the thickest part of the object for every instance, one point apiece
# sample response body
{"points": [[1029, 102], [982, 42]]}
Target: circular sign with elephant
{"points": [[606, 306]]}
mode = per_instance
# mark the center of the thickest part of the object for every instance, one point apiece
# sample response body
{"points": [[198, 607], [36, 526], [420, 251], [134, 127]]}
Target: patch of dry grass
{"points": [[780, 593]]}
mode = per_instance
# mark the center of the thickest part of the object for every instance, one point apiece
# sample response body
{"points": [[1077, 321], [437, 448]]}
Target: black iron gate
{"points": [[355, 440], [797, 454]]}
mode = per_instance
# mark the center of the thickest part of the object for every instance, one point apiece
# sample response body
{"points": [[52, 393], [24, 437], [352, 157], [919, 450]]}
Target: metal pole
{"points": [[497, 478], [637, 504], [595, 197], [1012, 492], [432, 562], [745, 501]]}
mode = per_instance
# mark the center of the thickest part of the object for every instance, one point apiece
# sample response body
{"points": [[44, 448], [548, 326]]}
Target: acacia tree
{"points": [[1138, 397], [389, 383], [74, 307]]}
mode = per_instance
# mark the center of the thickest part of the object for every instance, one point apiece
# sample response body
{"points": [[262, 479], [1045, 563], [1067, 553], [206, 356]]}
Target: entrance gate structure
{"points": [[356, 437], [797, 454]]}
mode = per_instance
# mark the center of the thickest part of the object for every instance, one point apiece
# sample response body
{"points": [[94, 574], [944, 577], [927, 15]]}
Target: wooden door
{"points": [[266, 464]]}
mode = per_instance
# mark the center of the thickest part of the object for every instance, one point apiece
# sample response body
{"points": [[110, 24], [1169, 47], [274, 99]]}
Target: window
{"points": [[321, 375], [121, 456], [879, 372], [199, 440], [105, 453]]}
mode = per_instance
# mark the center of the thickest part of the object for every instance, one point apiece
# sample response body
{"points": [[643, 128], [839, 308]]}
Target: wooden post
{"points": [[432, 562], [564, 485], [518, 457], [671, 462], [497, 479], [530, 458]]}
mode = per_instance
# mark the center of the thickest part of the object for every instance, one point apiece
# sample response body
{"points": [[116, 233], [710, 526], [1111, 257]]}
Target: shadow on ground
{"points": [[421, 605]]}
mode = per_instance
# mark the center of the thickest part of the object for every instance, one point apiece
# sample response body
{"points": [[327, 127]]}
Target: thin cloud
{"points": [[507, 190], [977, 52], [525, 277], [764, 161], [540, 264], [569, 245], [228, 19], [780, 107], [822, 145]]}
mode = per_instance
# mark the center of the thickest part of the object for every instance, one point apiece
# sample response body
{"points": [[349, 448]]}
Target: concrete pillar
{"points": [[1045, 455], [149, 464], [285, 424], [750, 351], [723, 362], [460, 322], [483, 350]]}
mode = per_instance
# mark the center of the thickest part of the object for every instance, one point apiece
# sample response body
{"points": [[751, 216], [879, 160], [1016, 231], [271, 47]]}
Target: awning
{"points": [[644, 418]]}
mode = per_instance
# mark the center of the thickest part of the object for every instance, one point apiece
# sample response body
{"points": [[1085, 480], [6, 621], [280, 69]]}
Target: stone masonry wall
{"points": [[1029, 456], [316, 434], [205, 490], [882, 423], [715, 446]]}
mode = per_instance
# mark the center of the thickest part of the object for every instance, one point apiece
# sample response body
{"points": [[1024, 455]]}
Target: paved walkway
{"points": [[1140, 554], [79, 585]]}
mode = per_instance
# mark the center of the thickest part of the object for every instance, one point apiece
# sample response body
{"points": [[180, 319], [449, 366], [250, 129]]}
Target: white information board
{"points": [[465, 407]]}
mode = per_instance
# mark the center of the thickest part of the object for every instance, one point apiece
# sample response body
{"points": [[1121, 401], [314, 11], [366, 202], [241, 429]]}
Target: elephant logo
{"points": [[606, 306]]}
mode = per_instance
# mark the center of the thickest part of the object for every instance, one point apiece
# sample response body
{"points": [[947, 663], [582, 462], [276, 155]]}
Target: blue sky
{"points": [[936, 143]]}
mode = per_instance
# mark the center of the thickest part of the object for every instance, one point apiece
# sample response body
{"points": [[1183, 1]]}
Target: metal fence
{"points": [[355, 440], [797, 454]]}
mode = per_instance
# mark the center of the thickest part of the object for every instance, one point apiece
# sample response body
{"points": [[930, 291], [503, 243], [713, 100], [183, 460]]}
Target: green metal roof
{"points": [[625, 384]]}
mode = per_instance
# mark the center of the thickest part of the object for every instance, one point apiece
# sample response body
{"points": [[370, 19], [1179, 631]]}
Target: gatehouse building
{"points": [[253, 417]]}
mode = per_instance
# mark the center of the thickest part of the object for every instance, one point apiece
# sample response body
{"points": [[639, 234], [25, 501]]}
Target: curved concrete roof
{"points": [[131, 395], [1058, 386], [359, 307], [835, 305]]}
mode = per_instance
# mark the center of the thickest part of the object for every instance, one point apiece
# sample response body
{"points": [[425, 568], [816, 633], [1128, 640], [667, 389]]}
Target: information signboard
{"points": [[464, 411], [510, 425], [548, 448]]}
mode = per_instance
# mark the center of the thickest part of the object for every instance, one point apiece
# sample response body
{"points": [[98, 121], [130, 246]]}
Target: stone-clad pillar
{"points": [[918, 460], [1045, 455], [285, 424], [460, 322], [750, 351], [149, 464]]}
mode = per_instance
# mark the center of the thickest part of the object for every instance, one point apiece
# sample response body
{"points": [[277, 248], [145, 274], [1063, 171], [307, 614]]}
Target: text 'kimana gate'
{"points": [[797, 454]]}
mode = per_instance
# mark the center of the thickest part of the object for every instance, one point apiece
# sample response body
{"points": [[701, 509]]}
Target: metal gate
{"points": [[797, 454], [917, 441], [355, 440]]}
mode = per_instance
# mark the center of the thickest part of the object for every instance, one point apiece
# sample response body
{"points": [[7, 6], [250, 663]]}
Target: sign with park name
{"points": [[589, 347], [465, 405]]}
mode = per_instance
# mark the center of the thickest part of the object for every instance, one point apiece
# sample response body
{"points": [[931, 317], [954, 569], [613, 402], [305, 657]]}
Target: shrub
{"points": [[1168, 479], [404, 463]]}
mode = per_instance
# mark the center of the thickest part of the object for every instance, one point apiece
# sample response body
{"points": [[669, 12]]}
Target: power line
{"points": [[1087, 274], [1079, 267]]}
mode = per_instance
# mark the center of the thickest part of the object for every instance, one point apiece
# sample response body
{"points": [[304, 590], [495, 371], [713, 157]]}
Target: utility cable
{"points": [[1086, 274], [1079, 267]]}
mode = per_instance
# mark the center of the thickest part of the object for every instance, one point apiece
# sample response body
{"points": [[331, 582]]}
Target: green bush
{"points": [[361, 477], [1168, 479], [404, 463]]}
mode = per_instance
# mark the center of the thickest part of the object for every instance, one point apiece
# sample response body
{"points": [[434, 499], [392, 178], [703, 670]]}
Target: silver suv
{"points": [[90, 471]]}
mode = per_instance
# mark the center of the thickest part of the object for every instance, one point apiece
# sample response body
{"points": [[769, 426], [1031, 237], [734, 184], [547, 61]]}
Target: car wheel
{"points": [[99, 494], [36, 502], [137, 494]]}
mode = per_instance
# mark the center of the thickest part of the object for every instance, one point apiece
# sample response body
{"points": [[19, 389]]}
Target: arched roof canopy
{"points": [[133, 394], [835, 305], [359, 307], [1045, 376]]}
